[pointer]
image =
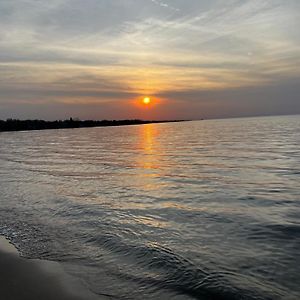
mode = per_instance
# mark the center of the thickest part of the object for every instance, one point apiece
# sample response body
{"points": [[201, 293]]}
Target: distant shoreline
{"points": [[28, 125]]}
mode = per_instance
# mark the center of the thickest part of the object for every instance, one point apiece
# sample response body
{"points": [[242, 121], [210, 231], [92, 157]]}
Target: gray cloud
{"points": [[216, 57], [246, 101]]}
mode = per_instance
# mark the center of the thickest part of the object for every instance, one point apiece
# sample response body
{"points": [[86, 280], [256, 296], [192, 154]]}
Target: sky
{"points": [[97, 59]]}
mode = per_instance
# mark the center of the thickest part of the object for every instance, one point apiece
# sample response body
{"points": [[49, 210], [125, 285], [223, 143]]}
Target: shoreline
{"points": [[11, 125], [26, 279]]}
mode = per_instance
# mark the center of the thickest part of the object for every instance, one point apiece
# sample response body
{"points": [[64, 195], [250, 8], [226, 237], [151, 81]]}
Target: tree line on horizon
{"points": [[24, 125]]}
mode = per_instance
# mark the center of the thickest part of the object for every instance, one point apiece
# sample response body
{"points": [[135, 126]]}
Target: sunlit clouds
{"points": [[89, 57]]}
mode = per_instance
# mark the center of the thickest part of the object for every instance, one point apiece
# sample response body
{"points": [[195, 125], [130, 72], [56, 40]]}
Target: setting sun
{"points": [[146, 100]]}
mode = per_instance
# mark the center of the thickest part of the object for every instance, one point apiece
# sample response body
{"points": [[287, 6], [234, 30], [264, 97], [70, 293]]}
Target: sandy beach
{"points": [[22, 279]]}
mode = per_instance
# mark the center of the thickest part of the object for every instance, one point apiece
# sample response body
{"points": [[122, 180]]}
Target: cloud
{"points": [[104, 50]]}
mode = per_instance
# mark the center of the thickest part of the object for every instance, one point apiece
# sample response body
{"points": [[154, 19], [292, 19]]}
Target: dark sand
{"points": [[23, 279]]}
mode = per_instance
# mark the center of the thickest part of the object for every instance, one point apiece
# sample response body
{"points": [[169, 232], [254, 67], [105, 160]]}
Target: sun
{"points": [[146, 100]]}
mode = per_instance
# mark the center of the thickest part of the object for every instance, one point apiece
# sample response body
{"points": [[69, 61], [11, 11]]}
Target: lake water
{"points": [[194, 210]]}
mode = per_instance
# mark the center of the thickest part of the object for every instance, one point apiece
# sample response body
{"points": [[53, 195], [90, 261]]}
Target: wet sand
{"points": [[24, 279]]}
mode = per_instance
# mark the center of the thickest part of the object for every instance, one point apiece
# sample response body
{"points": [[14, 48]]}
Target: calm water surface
{"points": [[195, 210]]}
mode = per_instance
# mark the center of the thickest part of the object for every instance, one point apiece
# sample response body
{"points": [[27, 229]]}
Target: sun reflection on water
{"points": [[150, 157], [150, 147]]}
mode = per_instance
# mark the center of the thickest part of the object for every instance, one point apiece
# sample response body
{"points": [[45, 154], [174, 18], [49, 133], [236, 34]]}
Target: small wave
{"points": [[275, 231], [286, 231], [176, 273]]}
